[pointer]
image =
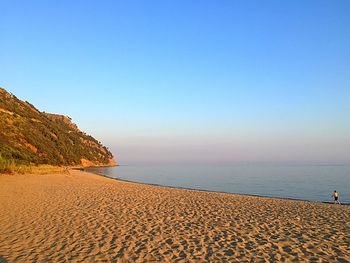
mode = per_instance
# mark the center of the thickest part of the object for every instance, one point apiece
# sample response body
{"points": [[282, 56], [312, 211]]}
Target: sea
{"points": [[302, 182]]}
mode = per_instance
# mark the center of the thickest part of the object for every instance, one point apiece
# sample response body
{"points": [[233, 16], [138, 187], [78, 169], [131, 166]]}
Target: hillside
{"points": [[31, 137]]}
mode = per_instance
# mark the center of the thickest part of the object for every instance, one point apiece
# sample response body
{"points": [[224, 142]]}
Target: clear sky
{"points": [[188, 81]]}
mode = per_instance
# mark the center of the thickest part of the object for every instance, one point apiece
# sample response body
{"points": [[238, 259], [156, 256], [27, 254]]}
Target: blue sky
{"points": [[188, 81]]}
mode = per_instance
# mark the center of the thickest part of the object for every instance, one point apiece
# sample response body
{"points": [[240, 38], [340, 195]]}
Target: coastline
{"points": [[86, 169], [79, 216]]}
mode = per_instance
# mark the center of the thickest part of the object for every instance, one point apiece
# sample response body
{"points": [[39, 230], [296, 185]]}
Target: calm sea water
{"points": [[306, 182]]}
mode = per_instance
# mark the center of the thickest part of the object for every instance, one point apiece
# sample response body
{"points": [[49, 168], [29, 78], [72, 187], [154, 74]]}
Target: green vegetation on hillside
{"points": [[31, 137]]}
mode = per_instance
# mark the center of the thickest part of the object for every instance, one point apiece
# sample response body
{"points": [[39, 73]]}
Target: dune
{"points": [[81, 217]]}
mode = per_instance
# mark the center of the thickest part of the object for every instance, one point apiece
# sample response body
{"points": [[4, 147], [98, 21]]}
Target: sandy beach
{"points": [[82, 217]]}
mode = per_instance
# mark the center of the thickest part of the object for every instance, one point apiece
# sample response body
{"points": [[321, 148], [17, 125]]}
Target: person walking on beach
{"points": [[336, 197]]}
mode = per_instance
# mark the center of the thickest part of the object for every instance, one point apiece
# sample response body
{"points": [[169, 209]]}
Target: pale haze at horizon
{"points": [[188, 82]]}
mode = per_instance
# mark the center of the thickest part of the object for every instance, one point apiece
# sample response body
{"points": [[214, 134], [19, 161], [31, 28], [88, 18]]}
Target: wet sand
{"points": [[81, 217]]}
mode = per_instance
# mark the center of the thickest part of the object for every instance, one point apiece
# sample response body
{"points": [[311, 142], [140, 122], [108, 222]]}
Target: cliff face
{"points": [[28, 136]]}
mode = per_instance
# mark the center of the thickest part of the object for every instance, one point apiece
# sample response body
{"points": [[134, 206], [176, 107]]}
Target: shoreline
{"points": [[80, 216], [204, 190]]}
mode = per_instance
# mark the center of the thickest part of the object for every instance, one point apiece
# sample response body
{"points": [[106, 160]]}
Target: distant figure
{"points": [[336, 197]]}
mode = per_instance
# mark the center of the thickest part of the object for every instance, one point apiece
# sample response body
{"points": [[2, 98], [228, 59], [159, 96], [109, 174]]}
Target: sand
{"points": [[81, 217]]}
